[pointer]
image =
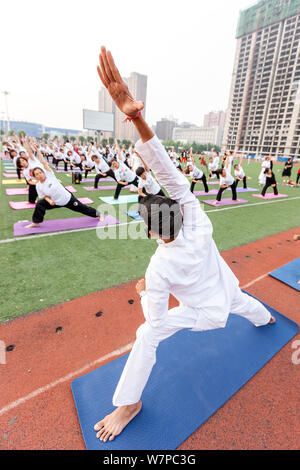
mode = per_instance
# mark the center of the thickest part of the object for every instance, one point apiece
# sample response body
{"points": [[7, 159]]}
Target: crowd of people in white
{"points": [[127, 168]]}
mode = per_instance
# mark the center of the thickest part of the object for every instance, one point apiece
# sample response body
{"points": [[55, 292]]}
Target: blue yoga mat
{"points": [[289, 274], [134, 215], [195, 374], [126, 199]]}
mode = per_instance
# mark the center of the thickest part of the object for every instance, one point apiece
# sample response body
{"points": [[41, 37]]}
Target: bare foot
{"points": [[296, 237], [32, 225], [101, 218], [114, 423], [215, 203], [272, 320]]}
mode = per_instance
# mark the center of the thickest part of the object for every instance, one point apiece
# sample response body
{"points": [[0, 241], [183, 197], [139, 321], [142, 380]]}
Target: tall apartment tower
{"points": [[214, 118], [137, 84], [263, 112], [105, 105]]}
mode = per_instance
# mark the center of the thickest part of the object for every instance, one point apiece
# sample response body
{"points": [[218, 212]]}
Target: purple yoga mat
{"points": [[270, 196], [101, 188], [91, 180], [26, 205], [203, 193], [224, 202], [242, 190], [63, 224], [16, 191]]}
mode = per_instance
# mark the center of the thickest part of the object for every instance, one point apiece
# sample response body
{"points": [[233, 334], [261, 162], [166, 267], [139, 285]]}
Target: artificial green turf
{"points": [[37, 273]]}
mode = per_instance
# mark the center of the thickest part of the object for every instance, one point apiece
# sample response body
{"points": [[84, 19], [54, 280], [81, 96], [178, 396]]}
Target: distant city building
{"points": [[200, 135], [106, 105], [30, 128], [215, 118], [59, 132], [263, 113], [137, 84], [37, 130], [164, 129]]}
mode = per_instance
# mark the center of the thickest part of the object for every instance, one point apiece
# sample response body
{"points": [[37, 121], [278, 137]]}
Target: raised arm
{"points": [[150, 147], [142, 160], [41, 158], [28, 148]]}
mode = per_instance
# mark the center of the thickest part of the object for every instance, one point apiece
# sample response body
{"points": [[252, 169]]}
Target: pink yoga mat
{"points": [[26, 205], [100, 188], [224, 202], [16, 191], [270, 196], [10, 175], [71, 189], [63, 224]]}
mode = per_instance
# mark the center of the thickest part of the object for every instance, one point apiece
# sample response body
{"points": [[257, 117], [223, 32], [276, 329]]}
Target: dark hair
{"points": [[18, 162], [11, 151], [37, 168], [139, 171], [93, 157], [162, 215]]}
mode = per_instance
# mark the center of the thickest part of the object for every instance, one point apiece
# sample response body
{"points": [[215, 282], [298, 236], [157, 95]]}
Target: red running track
{"points": [[55, 345]]}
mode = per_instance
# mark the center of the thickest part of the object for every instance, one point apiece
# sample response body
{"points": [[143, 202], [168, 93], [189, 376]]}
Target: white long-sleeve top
{"points": [[190, 267]]}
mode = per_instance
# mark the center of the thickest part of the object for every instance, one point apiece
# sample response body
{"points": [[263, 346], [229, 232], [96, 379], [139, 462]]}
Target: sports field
{"points": [[44, 270]]}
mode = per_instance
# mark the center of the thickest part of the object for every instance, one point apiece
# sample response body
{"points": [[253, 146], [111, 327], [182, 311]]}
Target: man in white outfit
{"points": [[186, 264]]}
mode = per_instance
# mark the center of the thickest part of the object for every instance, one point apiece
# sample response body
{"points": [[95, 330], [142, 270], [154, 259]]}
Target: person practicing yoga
{"points": [[26, 163], [270, 181], [286, 174], [102, 169], [226, 181], [197, 175], [54, 195], [186, 264], [240, 174], [147, 184], [124, 175]]}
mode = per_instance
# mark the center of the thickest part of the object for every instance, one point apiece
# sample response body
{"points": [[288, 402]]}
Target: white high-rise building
{"points": [[263, 112]]}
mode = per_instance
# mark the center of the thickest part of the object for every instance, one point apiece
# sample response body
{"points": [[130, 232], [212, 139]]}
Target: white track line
{"points": [[255, 280], [35, 393], [69, 376], [254, 204]]}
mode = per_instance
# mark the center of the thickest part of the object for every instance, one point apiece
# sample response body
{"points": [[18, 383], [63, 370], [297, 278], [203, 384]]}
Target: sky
{"points": [[50, 49]]}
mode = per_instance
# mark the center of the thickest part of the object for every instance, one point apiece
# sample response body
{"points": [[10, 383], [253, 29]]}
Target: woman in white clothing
{"points": [[102, 169], [186, 264], [240, 174], [267, 163], [27, 163], [147, 184], [53, 195], [197, 175]]}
